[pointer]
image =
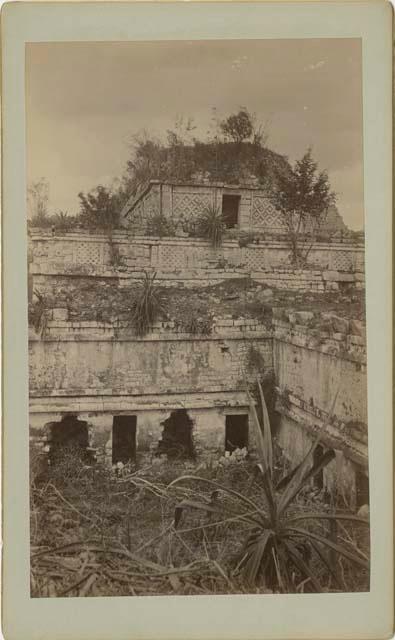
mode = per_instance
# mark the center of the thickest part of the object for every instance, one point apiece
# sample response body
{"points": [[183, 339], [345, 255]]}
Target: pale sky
{"points": [[86, 100]]}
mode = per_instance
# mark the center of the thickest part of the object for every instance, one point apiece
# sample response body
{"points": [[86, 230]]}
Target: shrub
{"points": [[211, 225], [159, 225], [276, 548], [147, 304], [63, 222], [197, 325]]}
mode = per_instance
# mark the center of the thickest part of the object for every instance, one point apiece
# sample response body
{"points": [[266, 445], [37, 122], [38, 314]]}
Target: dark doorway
{"points": [[124, 439], [230, 210], [319, 477], [177, 441], [362, 489], [236, 432], [70, 435]]}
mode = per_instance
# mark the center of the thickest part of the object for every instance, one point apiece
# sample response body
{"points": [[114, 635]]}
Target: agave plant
{"points": [[40, 316], [147, 304], [279, 540], [211, 225]]}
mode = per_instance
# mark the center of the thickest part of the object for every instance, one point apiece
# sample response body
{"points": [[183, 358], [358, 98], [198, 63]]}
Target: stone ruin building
{"points": [[244, 207], [125, 397]]}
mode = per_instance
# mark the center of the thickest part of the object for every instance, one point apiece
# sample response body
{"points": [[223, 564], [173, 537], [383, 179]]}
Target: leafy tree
{"points": [[239, 126], [303, 196], [181, 156], [147, 162], [37, 202], [99, 208]]}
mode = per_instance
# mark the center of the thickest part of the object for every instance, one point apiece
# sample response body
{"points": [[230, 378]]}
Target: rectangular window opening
{"points": [[124, 439], [230, 210], [318, 480], [236, 432]]}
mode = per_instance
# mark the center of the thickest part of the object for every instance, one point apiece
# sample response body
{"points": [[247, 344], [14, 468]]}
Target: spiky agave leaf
{"points": [[267, 432], [306, 469], [199, 506], [261, 445], [325, 561], [297, 559], [269, 492], [261, 514], [328, 516], [212, 225], [255, 555], [296, 532], [147, 304]]}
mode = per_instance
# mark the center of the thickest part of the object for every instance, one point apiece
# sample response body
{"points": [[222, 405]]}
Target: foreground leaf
{"points": [[353, 557]]}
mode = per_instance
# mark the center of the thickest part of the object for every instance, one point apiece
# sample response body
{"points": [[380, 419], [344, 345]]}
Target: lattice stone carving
{"points": [[88, 253], [255, 258], [172, 258], [264, 214], [342, 260], [190, 205]]}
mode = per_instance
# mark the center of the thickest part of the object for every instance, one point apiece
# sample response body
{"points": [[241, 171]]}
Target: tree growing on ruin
{"points": [[303, 196], [238, 126], [99, 208], [233, 151]]}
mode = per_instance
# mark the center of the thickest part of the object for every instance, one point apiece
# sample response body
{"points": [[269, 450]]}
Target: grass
{"points": [[279, 544], [160, 530]]}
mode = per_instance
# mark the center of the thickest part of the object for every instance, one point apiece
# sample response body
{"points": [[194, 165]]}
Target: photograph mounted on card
{"points": [[197, 318]]}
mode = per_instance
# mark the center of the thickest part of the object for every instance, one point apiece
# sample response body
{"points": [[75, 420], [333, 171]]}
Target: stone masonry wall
{"points": [[184, 203], [311, 367], [191, 261], [86, 358], [97, 371]]}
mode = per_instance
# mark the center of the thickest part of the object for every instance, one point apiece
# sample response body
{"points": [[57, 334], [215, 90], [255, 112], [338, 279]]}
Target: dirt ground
{"points": [[102, 301]]}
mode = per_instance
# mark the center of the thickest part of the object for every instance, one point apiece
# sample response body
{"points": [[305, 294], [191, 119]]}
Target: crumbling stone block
{"points": [[357, 328], [60, 314], [338, 324], [304, 317]]}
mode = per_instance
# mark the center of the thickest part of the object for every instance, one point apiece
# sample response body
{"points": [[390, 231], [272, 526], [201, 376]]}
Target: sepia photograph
{"points": [[198, 419]]}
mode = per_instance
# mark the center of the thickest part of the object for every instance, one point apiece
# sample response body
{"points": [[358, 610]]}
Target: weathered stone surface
{"points": [[60, 314], [80, 253], [266, 294], [330, 275], [338, 324], [332, 286], [357, 328], [304, 317], [346, 277], [358, 340]]}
